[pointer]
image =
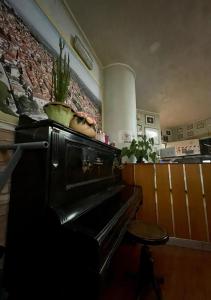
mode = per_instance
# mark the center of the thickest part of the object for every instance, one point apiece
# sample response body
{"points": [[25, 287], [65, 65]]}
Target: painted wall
{"points": [[198, 129], [120, 104], [49, 19]]}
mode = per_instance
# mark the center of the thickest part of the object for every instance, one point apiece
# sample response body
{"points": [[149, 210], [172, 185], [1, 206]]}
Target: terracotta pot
{"points": [[59, 112], [82, 127]]}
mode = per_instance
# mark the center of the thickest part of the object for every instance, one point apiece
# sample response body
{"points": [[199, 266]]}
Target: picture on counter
{"points": [[152, 133], [168, 132], [139, 129], [149, 119]]}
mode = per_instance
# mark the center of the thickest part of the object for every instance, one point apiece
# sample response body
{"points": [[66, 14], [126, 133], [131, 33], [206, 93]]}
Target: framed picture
{"points": [[165, 138], [200, 124], [149, 119], [152, 133]]}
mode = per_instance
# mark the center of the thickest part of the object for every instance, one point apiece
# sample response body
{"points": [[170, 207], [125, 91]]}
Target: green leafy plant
{"points": [[141, 149], [61, 74]]}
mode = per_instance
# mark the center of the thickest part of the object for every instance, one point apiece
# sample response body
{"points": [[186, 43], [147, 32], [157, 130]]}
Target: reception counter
{"points": [[176, 196]]}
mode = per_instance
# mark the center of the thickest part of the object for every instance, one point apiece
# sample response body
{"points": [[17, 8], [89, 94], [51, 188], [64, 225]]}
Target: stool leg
{"points": [[157, 289], [146, 274]]}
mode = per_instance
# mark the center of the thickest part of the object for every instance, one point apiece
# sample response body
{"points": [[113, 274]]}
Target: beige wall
{"points": [[197, 129]]}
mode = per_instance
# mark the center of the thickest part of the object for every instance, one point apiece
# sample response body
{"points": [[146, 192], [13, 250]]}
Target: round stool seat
{"points": [[146, 233]]}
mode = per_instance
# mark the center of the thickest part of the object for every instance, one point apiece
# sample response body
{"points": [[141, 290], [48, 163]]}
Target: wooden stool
{"points": [[147, 234]]}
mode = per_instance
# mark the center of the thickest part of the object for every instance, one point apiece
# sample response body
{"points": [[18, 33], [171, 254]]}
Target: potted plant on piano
{"points": [[57, 109]]}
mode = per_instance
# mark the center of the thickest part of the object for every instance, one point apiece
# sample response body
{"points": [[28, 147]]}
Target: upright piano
{"points": [[68, 213]]}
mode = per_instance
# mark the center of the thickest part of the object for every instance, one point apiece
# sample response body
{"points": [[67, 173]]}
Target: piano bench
{"points": [[147, 234]]}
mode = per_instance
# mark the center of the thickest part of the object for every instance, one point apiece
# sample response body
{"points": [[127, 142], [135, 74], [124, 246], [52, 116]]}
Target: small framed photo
{"points": [[200, 124], [168, 132], [149, 119]]}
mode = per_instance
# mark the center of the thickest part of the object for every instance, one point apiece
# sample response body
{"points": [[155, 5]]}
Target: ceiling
{"points": [[167, 43]]}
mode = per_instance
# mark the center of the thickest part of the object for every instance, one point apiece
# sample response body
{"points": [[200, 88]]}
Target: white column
{"points": [[119, 105]]}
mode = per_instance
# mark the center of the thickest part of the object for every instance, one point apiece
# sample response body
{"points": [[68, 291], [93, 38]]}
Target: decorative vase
{"points": [[82, 126], [132, 159], [59, 112]]}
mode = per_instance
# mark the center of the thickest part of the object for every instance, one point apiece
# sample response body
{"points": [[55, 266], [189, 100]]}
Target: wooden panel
{"points": [[3, 223], [144, 176], [128, 173], [163, 198], [179, 201], [196, 210], [6, 137], [206, 171]]}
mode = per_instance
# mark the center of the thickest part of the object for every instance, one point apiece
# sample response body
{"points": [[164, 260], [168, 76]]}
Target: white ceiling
{"points": [[166, 42]]}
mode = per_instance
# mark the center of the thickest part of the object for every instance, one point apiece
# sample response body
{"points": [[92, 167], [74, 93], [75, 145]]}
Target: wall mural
{"points": [[25, 73]]}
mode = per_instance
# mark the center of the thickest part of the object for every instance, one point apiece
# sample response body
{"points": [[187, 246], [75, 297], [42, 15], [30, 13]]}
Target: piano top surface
{"points": [[50, 123]]}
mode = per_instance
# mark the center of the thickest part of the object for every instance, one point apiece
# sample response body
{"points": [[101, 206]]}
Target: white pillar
{"points": [[119, 103]]}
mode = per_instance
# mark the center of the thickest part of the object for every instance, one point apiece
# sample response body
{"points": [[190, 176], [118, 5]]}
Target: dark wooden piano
{"points": [[69, 211]]}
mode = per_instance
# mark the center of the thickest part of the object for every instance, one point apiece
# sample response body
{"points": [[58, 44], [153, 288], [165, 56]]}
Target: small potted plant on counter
{"points": [[141, 150], [57, 110]]}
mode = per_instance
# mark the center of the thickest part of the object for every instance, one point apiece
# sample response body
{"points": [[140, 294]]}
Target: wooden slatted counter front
{"points": [[176, 196]]}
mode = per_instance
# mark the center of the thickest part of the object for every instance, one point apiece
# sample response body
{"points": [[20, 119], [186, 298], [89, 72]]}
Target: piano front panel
{"points": [[80, 168], [68, 212]]}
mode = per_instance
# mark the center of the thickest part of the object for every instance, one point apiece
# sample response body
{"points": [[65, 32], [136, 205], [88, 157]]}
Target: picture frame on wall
{"points": [[165, 138], [200, 124], [149, 119], [168, 132], [152, 133]]}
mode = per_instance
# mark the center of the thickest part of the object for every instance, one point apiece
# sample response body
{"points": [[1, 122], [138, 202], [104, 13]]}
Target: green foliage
{"points": [[4, 95], [26, 105], [142, 149], [61, 74]]}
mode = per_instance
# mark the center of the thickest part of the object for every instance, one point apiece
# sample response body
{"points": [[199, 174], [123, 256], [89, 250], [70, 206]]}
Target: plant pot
{"points": [[82, 127], [130, 160], [59, 112]]}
